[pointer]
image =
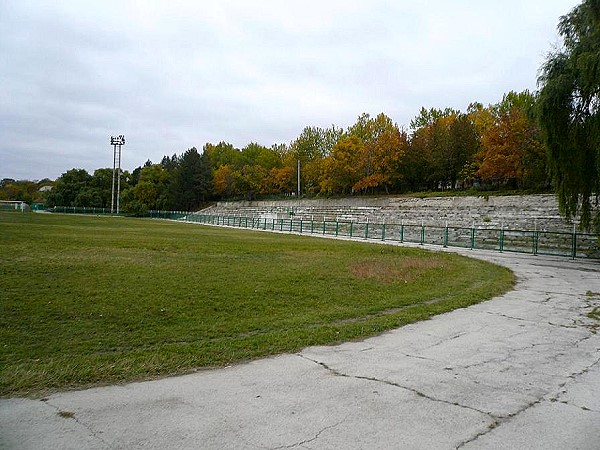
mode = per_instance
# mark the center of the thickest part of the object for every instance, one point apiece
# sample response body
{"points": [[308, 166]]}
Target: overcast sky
{"points": [[171, 75]]}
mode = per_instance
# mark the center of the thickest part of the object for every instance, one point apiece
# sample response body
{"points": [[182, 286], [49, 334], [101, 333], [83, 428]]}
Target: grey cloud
{"points": [[171, 75]]}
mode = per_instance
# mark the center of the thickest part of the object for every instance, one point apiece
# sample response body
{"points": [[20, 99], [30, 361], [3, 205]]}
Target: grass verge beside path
{"points": [[97, 300]]}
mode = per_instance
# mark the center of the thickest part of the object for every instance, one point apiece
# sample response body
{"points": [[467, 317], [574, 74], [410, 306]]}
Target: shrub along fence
{"points": [[535, 242]]}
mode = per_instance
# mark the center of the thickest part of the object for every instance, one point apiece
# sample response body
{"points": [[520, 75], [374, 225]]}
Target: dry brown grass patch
{"points": [[405, 269]]}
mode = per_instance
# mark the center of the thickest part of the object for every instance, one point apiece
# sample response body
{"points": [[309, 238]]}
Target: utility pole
{"points": [[116, 142], [298, 179]]}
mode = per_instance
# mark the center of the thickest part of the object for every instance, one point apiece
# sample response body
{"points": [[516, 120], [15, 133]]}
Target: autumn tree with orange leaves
{"points": [[383, 147], [512, 152]]}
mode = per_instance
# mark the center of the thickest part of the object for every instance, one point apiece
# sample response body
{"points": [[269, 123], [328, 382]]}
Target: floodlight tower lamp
{"points": [[116, 142], [113, 142]]}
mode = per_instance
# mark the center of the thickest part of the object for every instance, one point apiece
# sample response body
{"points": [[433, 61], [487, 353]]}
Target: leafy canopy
{"points": [[569, 107]]}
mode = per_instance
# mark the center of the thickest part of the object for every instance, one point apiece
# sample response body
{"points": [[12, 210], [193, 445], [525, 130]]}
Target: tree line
{"points": [[498, 146]]}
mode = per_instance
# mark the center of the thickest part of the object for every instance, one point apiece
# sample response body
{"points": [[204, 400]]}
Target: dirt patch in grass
{"points": [[404, 270]]}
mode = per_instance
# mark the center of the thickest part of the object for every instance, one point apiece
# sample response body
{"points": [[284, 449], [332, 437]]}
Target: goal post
{"points": [[14, 205]]}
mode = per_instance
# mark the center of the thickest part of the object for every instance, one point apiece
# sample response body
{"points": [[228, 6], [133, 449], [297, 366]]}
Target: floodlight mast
{"points": [[116, 142]]}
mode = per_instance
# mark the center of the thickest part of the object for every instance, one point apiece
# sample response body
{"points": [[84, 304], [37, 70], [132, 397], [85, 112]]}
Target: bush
{"points": [[135, 208]]}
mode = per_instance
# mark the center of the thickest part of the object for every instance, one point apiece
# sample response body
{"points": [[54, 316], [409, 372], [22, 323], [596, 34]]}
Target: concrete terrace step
{"points": [[511, 212]]}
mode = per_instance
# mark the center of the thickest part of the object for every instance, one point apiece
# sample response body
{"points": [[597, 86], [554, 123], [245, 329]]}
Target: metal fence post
{"points": [[367, 231], [535, 237], [383, 232], [574, 243], [351, 226], [446, 235]]}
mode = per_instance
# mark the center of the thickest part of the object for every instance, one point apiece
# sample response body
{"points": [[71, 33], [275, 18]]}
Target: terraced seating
{"points": [[532, 212]]}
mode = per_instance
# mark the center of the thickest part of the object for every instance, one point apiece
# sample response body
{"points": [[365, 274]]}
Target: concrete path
{"points": [[521, 371]]}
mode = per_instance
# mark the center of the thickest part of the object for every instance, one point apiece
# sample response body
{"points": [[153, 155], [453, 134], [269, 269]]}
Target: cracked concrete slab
{"points": [[536, 428], [519, 371]]}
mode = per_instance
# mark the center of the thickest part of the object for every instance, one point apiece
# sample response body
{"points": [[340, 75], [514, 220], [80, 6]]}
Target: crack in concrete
{"points": [[424, 358], [509, 354], [573, 377], [499, 420], [442, 340], [553, 295], [583, 408], [509, 317], [495, 420], [568, 327], [585, 338], [391, 383], [576, 323], [498, 359], [68, 415], [314, 438], [491, 427]]}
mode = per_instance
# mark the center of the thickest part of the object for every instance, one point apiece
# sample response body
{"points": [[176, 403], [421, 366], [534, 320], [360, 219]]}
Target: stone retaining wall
{"points": [[525, 212]]}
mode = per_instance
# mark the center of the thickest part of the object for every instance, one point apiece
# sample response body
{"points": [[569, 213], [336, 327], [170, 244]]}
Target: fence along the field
{"points": [[536, 242], [11, 205]]}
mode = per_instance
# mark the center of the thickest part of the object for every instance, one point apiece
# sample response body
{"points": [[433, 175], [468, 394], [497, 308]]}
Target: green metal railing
{"points": [[153, 214], [77, 210], [536, 242], [574, 245]]}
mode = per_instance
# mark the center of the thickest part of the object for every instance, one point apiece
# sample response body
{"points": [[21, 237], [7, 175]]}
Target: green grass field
{"points": [[97, 300]]}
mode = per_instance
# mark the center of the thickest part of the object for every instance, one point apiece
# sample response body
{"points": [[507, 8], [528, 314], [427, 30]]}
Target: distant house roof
{"points": [[45, 188]]}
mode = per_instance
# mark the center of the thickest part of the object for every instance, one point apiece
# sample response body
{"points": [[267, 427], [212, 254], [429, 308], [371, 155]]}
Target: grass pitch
{"points": [[96, 300]]}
